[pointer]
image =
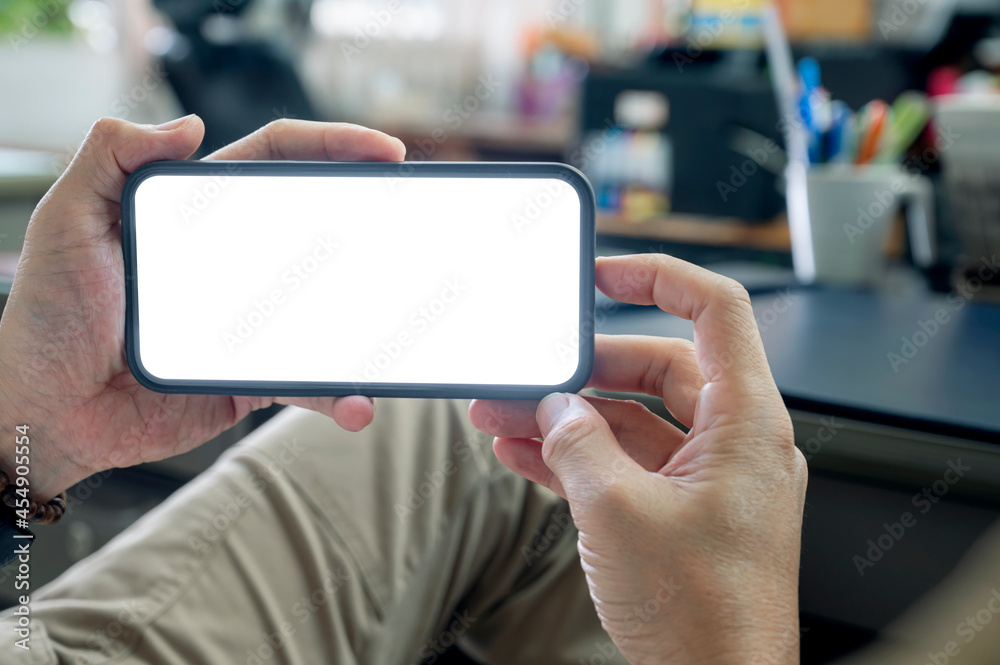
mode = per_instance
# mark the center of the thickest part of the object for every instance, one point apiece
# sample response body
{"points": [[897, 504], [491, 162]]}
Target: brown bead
{"points": [[48, 513]]}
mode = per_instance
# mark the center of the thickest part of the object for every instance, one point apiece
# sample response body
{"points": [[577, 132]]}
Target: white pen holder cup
{"points": [[840, 217]]}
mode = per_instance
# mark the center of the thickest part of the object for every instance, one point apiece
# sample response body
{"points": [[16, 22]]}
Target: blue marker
{"points": [[809, 73], [809, 76]]}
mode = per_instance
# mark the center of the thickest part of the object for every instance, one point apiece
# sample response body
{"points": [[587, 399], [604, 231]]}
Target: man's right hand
{"points": [[690, 542]]}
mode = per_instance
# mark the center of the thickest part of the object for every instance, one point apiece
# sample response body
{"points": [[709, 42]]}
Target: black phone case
{"points": [[347, 169]]}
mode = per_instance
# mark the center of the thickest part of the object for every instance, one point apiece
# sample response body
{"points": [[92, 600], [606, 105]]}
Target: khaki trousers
{"points": [[305, 544]]}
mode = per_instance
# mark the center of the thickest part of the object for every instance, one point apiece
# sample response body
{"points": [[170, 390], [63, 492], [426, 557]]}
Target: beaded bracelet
{"points": [[40, 513]]}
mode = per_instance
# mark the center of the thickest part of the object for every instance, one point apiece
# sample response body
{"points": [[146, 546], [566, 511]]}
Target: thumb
{"points": [[114, 148], [579, 447]]}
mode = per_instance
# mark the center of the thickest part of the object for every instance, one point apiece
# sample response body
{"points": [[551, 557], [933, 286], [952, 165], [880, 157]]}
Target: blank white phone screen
{"points": [[358, 279]]}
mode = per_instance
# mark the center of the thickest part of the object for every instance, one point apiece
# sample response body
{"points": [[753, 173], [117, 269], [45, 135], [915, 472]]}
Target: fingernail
{"points": [[174, 124], [551, 408]]}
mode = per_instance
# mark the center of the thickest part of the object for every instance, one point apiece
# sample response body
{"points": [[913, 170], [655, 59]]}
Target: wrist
{"points": [[46, 479], [701, 621]]}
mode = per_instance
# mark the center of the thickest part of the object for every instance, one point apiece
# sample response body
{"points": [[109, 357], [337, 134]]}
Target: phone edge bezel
{"points": [[564, 172]]}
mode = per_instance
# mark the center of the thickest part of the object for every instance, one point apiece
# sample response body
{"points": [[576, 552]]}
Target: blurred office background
{"points": [[670, 108]]}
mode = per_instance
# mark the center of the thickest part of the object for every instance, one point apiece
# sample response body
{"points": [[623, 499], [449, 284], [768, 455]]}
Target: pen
{"points": [[810, 74], [910, 113], [809, 78], [872, 127], [822, 117], [837, 138]]}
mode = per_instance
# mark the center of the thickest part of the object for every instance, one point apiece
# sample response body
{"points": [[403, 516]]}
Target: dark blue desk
{"points": [[896, 430], [830, 350]]}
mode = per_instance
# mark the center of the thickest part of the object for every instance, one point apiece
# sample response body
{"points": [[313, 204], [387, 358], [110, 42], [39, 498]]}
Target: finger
{"points": [[513, 418], [115, 148], [353, 413], [663, 367], [728, 346], [314, 141], [581, 451], [643, 435], [524, 457]]}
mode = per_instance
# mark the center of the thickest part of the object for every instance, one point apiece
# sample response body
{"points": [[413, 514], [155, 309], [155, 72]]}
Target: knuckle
{"points": [[573, 430], [106, 126], [561, 439], [97, 154], [268, 138], [653, 262], [277, 126], [731, 297], [682, 359], [733, 292]]}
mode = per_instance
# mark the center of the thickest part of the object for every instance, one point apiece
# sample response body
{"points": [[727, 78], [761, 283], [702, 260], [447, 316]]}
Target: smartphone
{"points": [[378, 279]]}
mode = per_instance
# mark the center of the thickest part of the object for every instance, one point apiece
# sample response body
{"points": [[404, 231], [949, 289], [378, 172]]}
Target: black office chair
{"points": [[238, 86]]}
